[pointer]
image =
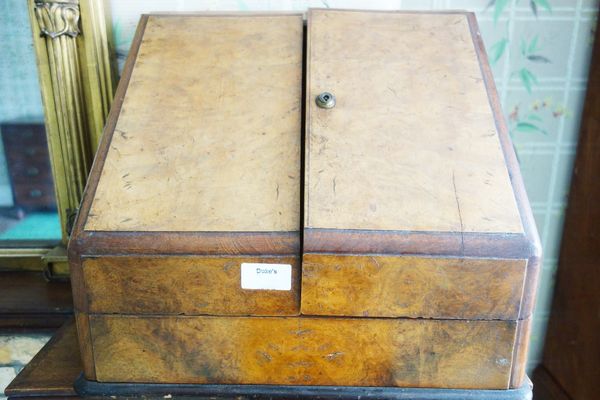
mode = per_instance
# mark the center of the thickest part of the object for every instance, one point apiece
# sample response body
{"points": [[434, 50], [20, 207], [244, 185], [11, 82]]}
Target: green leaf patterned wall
{"points": [[540, 52]]}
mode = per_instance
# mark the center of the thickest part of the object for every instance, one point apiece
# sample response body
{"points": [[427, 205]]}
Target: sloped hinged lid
{"points": [[201, 153], [413, 156]]}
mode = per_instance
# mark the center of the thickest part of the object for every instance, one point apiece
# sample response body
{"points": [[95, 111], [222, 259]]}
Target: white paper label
{"points": [[260, 276]]}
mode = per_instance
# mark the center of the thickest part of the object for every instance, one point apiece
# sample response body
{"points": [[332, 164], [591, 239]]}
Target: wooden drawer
{"points": [[35, 196], [16, 135], [37, 172], [189, 285], [417, 287], [28, 164], [303, 351]]}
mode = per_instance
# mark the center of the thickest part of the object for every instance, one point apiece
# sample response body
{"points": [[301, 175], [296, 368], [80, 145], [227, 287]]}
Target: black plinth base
{"points": [[91, 388]]}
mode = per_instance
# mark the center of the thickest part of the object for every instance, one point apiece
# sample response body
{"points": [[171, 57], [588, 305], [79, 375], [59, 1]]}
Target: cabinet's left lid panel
{"points": [[202, 150]]}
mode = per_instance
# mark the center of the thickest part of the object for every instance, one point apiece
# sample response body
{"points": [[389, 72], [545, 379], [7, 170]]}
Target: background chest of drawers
{"points": [[28, 164]]}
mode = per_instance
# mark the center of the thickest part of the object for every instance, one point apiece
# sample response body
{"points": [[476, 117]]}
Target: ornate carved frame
{"points": [[75, 58]]}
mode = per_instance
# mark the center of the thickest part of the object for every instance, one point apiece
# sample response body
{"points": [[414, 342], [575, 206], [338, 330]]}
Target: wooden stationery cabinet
{"points": [[391, 244]]}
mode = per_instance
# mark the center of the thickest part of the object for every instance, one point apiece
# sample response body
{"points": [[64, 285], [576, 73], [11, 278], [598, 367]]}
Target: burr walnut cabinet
{"points": [[335, 205]]}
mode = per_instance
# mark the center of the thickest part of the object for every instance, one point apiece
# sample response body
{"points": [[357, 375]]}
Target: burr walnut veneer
{"points": [[405, 239]]}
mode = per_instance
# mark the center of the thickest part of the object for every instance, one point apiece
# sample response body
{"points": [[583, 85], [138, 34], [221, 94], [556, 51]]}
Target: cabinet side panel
{"points": [[516, 178], [520, 353], [406, 286], [80, 301], [186, 285], [84, 336], [303, 351]]}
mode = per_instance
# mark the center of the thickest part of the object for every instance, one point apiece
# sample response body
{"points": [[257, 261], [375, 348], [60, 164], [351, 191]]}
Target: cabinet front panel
{"points": [[411, 143], [207, 138], [192, 285], [303, 351], [404, 286]]}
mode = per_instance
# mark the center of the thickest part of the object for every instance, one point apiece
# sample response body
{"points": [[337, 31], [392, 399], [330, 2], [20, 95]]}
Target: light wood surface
{"points": [[411, 144], [184, 285], [404, 286], [208, 135], [303, 351]]}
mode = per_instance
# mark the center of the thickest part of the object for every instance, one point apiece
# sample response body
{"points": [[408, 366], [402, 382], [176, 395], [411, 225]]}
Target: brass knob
{"points": [[325, 100]]}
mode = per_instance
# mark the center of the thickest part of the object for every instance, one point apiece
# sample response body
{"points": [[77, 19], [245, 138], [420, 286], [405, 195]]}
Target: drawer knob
{"points": [[33, 171], [326, 100]]}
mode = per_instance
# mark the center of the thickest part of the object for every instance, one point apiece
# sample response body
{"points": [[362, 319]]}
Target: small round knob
{"points": [[325, 100], [33, 171]]}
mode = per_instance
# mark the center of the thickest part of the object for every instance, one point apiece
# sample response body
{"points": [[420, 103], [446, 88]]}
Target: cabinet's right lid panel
{"points": [[411, 145]]}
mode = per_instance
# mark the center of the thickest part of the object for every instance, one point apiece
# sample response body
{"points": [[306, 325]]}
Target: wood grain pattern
{"points": [[464, 244], [202, 243], [406, 286], [531, 233], [411, 144], [75, 245], [84, 337], [309, 350], [470, 79], [184, 285], [303, 351], [520, 352], [208, 135], [53, 374]]}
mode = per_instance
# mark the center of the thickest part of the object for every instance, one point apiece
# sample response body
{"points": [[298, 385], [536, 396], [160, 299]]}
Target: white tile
{"points": [[545, 290], [572, 117], [417, 4], [536, 168], [538, 113], [551, 55], [553, 234], [536, 340], [19, 349], [365, 5], [7, 374], [564, 173]]}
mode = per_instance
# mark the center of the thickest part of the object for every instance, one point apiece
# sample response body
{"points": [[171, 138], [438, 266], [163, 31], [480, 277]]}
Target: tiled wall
{"points": [[542, 77], [540, 51]]}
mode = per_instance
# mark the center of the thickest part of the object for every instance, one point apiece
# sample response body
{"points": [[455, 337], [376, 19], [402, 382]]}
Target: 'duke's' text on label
{"points": [[261, 276]]}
